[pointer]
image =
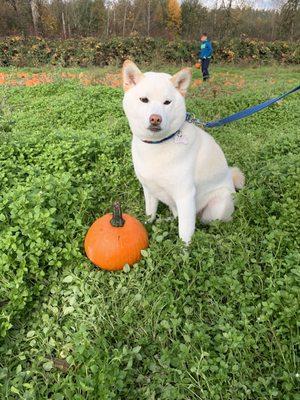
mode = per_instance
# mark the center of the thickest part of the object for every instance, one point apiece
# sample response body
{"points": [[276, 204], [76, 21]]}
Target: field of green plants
{"points": [[216, 321]]}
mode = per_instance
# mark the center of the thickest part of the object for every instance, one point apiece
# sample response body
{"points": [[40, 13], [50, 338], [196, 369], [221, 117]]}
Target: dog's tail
{"points": [[238, 178]]}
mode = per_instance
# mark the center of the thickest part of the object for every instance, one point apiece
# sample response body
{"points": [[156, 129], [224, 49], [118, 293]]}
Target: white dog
{"points": [[175, 161]]}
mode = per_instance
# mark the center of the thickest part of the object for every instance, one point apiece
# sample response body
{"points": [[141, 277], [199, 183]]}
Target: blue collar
{"points": [[187, 118], [162, 140]]}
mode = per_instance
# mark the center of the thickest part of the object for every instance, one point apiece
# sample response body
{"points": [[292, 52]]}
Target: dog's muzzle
{"points": [[155, 121], [153, 128]]}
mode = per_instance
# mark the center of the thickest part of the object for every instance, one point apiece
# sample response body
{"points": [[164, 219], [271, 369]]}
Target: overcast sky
{"points": [[262, 4]]}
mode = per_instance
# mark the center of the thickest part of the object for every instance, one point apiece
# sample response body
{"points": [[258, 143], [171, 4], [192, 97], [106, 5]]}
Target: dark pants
{"points": [[204, 66]]}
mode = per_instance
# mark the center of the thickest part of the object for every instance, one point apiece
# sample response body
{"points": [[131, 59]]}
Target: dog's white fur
{"points": [[191, 174]]}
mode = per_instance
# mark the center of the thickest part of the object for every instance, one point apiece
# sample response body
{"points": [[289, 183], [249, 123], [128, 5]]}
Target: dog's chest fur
{"points": [[166, 169], [170, 170]]}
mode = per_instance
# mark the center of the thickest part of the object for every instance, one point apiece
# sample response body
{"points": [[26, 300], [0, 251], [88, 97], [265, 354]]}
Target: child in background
{"points": [[205, 54]]}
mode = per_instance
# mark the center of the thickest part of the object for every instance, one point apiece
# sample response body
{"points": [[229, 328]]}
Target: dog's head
{"points": [[154, 102]]}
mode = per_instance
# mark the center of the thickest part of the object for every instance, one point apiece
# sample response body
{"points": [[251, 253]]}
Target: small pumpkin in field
{"points": [[115, 240], [198, 65]]}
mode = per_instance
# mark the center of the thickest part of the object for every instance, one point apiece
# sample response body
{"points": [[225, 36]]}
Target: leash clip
{"points": [[193, 120]]}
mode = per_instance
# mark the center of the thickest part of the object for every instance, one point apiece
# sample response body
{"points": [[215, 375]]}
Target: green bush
{"points": [[41, 187], [16, 51]]}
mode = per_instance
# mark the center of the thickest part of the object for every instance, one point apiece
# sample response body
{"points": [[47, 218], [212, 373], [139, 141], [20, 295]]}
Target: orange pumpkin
{"points": [[115, 240], [197, 65]]}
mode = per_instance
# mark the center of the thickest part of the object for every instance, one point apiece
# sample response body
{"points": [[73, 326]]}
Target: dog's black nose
{"points": [[155, 119]]}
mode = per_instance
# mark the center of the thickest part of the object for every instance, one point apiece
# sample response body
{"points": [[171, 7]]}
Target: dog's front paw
{"points": [[186, 239], [186, 242], [150, 218]]}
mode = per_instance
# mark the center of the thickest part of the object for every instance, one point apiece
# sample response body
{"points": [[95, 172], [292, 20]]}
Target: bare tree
{"points": [[126, 5], [35, 16], [289, 13], [107, 18], [63, 24], [226, 7], [148, 17]]}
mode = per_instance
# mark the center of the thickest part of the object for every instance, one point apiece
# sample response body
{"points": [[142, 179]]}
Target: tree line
{"points": [[156, 18]]}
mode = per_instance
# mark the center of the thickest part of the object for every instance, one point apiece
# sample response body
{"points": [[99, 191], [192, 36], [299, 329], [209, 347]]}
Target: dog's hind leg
{"points": [[219, 207], [151, 204]]}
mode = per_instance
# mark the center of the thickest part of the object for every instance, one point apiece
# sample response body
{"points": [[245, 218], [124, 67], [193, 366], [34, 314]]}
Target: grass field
{"points": [[216, 321]]}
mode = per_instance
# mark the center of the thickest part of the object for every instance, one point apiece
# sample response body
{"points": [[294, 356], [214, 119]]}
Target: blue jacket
{"points": [[206, 49]]}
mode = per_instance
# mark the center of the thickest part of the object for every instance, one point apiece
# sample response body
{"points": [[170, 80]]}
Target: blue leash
{"points": [[241, 114], [231, 118]]}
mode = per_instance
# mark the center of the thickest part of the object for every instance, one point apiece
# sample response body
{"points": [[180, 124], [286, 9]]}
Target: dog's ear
{"points": [[182, 80], [131, 75]]}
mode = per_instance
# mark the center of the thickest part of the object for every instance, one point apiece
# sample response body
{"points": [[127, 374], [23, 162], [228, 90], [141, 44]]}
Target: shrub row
{"points": [[17, 51]]}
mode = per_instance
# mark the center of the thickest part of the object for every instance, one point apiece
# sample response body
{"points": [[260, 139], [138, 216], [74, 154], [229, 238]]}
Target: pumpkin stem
{"points": [[117, 220]]}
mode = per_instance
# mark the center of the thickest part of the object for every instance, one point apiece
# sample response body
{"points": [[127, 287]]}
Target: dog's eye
{"points": [[167, 102], [144, 99]]}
